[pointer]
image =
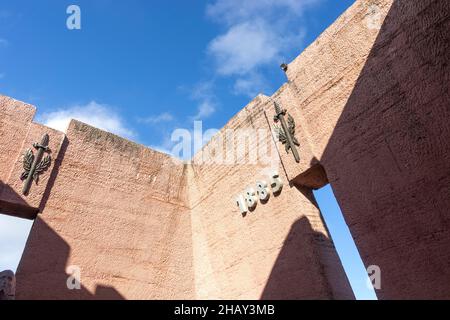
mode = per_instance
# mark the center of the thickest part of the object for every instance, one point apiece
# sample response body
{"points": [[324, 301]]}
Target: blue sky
{"points": [[143, 68], [345, 246]]}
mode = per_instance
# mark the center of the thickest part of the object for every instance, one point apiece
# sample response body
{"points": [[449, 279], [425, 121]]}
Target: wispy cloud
{"points": [[163, 117], [101, 116], [243, 48], [203, 94], [205, 102], [165, 146], [2, 75], [230, 11], [258, 33], [205, 109], [250, 85]]}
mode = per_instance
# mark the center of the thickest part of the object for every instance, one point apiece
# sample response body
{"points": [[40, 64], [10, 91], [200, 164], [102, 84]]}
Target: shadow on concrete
{"points": [[313, 178], [388, 159], [307, 267], [55, 171], [44, 270], [13, 205]]}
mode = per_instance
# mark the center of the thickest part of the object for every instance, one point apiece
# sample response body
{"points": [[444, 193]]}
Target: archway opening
{"points": [[14, 233]]}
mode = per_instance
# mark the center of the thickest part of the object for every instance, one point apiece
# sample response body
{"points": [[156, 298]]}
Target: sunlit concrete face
{"points": [[138, 225], [369, 102], [280, 250], [324, 75], [116, 210]]}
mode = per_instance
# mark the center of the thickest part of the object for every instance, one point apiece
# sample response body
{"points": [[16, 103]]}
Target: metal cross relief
{"points": [[286, 134], [34, 166]]}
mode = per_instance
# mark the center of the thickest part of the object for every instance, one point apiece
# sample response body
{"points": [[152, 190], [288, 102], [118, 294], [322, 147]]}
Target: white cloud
{"points": [[230, 11], [258, 33], [163, 117], [207, 102], [98, 115], [205, 109], [244, 47], [251, 85], [165, 145]]}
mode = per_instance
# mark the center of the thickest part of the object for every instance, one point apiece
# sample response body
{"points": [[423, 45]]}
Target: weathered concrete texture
{"points": [[34, 198], [287, 99], [323, 76], [376, 106], [372, 109], [281, 250], [7, 285], [14, 124], [140, 225], [18, 133], [118, 211]]}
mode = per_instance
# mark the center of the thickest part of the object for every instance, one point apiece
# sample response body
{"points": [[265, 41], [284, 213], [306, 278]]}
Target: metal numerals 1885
{"points": [[249, 200]]}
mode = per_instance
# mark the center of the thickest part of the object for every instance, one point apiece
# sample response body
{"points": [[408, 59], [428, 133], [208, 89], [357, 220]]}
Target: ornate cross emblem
{"points": [[286, 134], [34, 166]]}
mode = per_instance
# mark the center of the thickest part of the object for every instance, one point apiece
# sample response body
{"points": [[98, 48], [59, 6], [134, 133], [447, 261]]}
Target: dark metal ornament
{"points": [[34, 166], [286, 134]]}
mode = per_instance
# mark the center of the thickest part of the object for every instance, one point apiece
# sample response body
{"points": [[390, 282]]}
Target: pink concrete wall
{"points": [[118, 211], [281, 250], [376, 106], [371, 107], [257, 256], [140, 225], [14, 124], [18, 133]]}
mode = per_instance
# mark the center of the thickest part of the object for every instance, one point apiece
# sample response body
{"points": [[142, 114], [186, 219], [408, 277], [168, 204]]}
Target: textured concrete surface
{"points": [[17, 134], [281, 250], [34, 198], [118, 211], [376, 106], [371, 106], [14, 124]]}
